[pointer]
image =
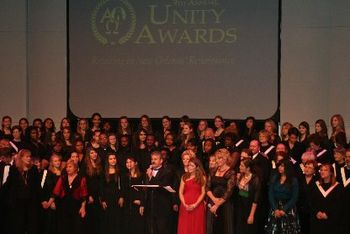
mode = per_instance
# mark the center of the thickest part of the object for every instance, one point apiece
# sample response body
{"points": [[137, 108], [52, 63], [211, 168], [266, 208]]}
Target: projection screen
{"points": [[173, 57]]}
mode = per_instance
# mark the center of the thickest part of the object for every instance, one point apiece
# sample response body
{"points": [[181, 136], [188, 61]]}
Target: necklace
{"points": [[25, 177], [247, 176], [222, 170], [70, 181], [244, 181]]}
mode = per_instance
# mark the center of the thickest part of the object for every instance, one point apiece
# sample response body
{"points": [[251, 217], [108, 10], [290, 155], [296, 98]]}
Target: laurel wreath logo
{"points": [[102, 39]]}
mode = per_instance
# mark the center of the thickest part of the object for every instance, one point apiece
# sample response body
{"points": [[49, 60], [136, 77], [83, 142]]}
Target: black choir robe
{"points": [[326, 198], [345, 175]]}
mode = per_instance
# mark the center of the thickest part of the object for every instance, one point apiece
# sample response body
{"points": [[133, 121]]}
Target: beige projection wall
{"points": [[33, 59], [315, 59], [13, 71]]}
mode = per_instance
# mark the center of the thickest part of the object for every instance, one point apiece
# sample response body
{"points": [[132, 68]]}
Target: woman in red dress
{"points": [[191, 193]]}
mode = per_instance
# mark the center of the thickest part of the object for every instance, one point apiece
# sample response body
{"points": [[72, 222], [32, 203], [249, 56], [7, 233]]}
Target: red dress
{"points": [[192, 222]]}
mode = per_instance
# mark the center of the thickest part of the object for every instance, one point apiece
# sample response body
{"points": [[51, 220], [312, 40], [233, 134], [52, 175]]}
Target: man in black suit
{"points": [[159, 200], [260, 161]]}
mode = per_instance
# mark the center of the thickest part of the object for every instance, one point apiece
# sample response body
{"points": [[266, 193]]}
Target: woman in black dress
{"points": [[23, 189], [220, 188], [124, 127], [271, 127], [174, 156], [326, 203], [24, 124], [322, 131], [111, 196], [67, 140], [65, 123], [112, 142], [48, 129], [202, 126], [186, 135], [145, 123], [70, 194], [83, 132], [5, 131], [92, 170], [140, 150], [134, 199], [304, 133], [250, 132], [48, 182], [249, 188], [166, 129], [284, 130], [219, 131], [96, 120], [338, 137]]}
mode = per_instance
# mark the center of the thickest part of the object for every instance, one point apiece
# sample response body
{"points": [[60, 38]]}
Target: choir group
{"points": [[219, 179]]}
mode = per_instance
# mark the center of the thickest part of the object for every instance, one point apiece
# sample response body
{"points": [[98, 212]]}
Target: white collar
{"points": [[346, 182], [273, 164], [269, 149], [255, 155], [239, 143], [321, 153], [329, 190]]}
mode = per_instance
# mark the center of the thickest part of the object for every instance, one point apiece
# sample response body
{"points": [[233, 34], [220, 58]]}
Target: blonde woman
{"points": [[23, 187], [220, 186], [70, 194]]}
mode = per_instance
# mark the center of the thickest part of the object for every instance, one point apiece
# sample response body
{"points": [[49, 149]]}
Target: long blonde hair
{"points": [[51, 168], [19, 162], [341, 123]]}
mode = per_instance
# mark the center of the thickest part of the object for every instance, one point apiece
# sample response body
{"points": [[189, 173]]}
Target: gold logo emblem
{"points": [[113, 22]]}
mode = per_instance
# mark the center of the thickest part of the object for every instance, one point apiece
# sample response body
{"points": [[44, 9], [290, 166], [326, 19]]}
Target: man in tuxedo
{"points": [[159, 200], [260, 161]]}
